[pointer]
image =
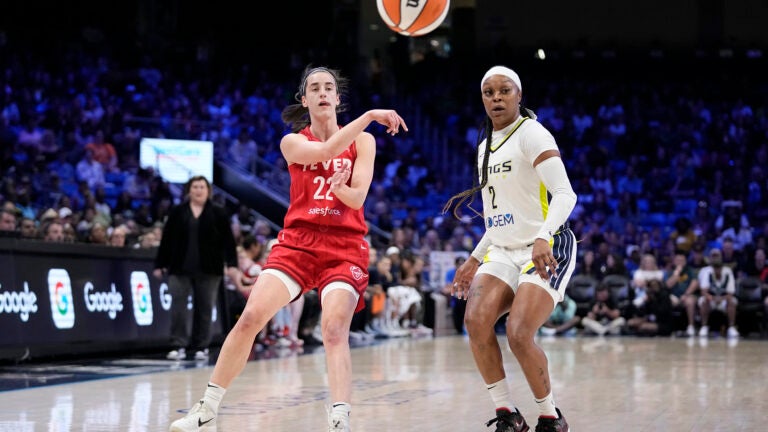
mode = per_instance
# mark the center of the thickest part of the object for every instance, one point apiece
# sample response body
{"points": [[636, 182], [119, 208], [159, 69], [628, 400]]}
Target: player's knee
{"points": [[334, 332], [476, 322], [519, 332], [249, 322]]}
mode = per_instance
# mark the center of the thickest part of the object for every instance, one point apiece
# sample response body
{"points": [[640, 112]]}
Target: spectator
{"points": [[381, 278], [90, 171], [587, 266], [563, 319], [648, 270], [683, 236], [683, 286], [457, 305], [630, 182], [196, 246], [65, 215], [243, 151], [407, 297], [732, 221], [63, 168], [148, 240], [655, 316], [70, 235], [53, 232], [118, 235], [718, 289], [97, 234], [614, 265], [28, 228], [24, 202], [732, 257], [138, 184], [103, 152], [757, 267], [7, 222], [603, 316]]}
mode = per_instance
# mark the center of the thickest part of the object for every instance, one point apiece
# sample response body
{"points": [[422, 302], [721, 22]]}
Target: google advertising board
{"points": [[58, 298]]}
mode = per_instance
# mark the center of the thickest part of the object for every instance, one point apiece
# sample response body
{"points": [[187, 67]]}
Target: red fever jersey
{"points": [[312, 205], [322, 241]]}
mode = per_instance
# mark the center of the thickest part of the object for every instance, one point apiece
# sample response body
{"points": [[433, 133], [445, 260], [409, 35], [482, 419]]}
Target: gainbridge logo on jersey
{"points": [[18, 302]]}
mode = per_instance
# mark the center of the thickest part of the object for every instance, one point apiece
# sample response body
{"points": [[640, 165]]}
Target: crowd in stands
{"points": [[665, 170]]}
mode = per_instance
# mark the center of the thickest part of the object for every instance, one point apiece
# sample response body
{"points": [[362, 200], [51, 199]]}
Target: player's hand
{"points": [[389, 118], [158, 273], [543, 259], [340, 178], [462, 281]]}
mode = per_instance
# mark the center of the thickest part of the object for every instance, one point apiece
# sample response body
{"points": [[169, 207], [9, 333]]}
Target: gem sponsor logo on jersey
{"points": [[142, 298], [18, 302], [500, 220], [110, 302], [62, 301]]}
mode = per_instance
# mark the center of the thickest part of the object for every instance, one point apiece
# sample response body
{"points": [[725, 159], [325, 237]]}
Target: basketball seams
{"points": [[413, 21]]}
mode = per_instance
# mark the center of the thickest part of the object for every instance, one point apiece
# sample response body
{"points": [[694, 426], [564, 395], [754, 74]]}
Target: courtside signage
{"points": [[142, 298], [62, 302], [18, 302]]}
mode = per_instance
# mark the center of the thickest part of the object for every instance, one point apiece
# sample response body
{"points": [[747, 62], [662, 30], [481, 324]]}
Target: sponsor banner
{"points": [[50, 299], [439, 264]]}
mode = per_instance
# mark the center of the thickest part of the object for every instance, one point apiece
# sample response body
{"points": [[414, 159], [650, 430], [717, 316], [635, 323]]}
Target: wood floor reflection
{"points": [[409, 385]]}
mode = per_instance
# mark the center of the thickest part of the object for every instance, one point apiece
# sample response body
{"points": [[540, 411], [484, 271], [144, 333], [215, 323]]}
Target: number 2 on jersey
{"points": [[319, 194], [492, 191]]}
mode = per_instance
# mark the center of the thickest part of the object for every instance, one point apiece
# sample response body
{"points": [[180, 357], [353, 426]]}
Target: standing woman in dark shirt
{"points": [[197, 244]]}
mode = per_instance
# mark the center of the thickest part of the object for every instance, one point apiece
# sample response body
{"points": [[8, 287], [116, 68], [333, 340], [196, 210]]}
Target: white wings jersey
{"points": [[515, 201]]}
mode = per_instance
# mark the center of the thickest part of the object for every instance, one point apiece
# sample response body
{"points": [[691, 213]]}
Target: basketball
{"points": [[413, 17]]}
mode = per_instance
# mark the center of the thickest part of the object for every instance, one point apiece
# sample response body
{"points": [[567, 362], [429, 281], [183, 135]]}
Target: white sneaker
{"points": [[704, 331], [177, 354], [548, 331], [199, 418], [356, 337], [338, 423], [732, 332], [690, 331], [421, 330], [202, 354], [317, 333]]}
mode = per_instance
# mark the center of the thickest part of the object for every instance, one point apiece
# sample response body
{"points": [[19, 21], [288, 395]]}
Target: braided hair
{"points": [[467, 197]]}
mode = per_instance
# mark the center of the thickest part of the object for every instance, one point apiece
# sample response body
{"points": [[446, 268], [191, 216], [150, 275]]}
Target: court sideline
{"points": [[602, 384]]}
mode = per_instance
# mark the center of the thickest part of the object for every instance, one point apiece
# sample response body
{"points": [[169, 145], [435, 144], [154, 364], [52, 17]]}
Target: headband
{"points": [[505, 71], [302, 89]]}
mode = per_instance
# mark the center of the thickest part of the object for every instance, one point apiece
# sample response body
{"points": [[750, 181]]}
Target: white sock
{"points": [[500, 394], [341, 408], [546, 406], [214, 393]]}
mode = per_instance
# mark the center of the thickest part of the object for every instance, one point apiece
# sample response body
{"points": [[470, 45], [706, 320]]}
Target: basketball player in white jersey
{"points": [[527, 252]]}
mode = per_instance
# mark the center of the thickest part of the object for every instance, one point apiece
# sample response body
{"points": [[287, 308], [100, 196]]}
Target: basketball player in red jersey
{"points": [[321, 245]]}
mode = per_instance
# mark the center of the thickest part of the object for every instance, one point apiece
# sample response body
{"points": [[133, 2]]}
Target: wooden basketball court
{"points": [[412, 385]]}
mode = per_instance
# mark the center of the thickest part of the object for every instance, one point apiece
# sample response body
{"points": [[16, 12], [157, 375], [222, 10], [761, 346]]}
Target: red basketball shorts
{"points": [[314, 259]]}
